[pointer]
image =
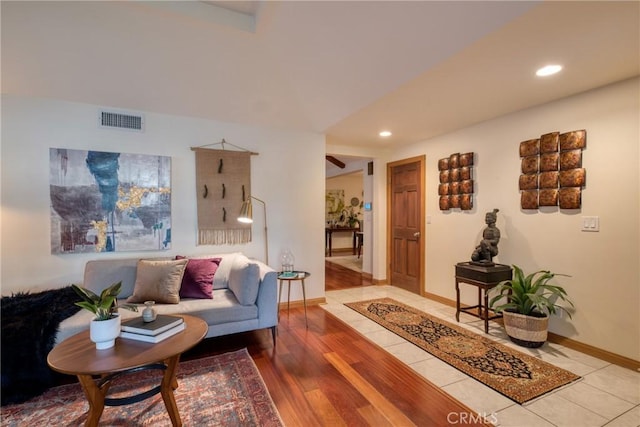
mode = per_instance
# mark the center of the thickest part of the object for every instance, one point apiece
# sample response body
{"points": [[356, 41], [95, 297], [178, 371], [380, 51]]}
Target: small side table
{"points": [[299, 275], [484, 278]]}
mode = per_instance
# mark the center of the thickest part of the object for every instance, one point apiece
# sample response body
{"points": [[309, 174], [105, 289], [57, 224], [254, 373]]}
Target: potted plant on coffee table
{"points": [[105, 326], [529, 301]]}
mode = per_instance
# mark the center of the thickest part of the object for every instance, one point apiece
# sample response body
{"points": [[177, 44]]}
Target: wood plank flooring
{"points": [[339, 277], [330, 375]]}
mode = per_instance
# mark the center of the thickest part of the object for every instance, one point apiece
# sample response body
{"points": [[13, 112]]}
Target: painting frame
{"points": [[109, 201]]}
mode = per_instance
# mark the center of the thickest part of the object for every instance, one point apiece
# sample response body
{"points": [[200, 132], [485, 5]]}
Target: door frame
{"points": [[422, 161]]}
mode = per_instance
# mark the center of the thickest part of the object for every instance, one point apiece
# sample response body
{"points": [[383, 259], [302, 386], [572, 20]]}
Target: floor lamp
{"points": [[246, 216]]}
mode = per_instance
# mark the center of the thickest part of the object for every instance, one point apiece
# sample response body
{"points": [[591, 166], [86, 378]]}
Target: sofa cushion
{"points": [[158, 281], [244, 279], [197, 281], [221, 278]]}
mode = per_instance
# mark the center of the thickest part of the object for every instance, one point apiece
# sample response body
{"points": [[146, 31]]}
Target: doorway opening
{"points": [[348, 228]]}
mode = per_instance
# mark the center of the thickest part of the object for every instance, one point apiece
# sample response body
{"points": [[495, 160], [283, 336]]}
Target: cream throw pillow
{"points": [[158, 281]]}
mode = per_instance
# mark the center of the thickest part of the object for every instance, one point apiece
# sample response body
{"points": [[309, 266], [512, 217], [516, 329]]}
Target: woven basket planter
{"points": [[526, 331]]}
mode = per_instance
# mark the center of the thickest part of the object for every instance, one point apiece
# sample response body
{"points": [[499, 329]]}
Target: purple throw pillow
{"points": [[197, 281]]}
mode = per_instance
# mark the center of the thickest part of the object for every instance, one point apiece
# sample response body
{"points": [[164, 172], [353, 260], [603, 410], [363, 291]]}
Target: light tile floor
{"points": [[607, 395]]}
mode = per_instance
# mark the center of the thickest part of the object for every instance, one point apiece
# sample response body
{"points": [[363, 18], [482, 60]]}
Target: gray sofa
{"points": [[244, 295]]}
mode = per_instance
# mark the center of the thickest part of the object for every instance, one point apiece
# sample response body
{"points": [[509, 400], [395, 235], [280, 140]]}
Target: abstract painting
{"points": [[109, 202]]}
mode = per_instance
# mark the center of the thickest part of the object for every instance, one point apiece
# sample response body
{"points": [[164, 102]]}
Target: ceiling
{"points": [[344, 69]]}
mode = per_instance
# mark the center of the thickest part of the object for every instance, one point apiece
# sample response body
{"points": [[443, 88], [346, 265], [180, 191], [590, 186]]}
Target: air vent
{"points": [[116, 120]]}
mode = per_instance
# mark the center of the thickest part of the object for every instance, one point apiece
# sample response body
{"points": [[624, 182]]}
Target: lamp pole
{"points": [[246, 216]]}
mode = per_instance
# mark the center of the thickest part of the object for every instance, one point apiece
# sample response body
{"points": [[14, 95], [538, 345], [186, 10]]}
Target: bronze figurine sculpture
{"points": [[488, 247]]}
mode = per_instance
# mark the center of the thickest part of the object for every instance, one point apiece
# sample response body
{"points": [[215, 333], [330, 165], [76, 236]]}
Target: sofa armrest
{"points": [[267, 300]]}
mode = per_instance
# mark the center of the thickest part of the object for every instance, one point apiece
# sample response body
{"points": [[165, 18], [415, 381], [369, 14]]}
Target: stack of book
{"points": [[160, 329]]}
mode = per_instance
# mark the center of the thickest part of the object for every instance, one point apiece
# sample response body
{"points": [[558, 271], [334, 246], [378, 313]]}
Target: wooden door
{"points": [[405, 189]]}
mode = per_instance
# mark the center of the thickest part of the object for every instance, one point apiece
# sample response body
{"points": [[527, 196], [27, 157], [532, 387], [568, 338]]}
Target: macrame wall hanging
{"points": [[223, 182]]}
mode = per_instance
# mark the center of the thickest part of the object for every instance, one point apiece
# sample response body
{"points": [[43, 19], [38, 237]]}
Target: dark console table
{"points": [[484, 278], [329, 237]]}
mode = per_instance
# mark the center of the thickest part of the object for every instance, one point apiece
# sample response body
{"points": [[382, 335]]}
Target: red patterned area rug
{"points": [[516, 375], [223, 390]]}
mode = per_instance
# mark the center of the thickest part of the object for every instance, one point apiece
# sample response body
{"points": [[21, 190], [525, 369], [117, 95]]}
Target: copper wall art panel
{"points": [[465, 173], [573, 140], [549, 142], [455, 173], [466, 159], [530, 164], [548, 180], [549, 162], [572, 178], [454, 161], [571, 159], [466, 187], [455, 187], [530, 148], [552, 164], [528, 182], [529, 199], [548, 197], [466, 202], [570, 198], [444, 203]]}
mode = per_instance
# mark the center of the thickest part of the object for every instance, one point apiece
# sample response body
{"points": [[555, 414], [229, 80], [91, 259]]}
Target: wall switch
{"points": [[428, 219], [590, 223]]}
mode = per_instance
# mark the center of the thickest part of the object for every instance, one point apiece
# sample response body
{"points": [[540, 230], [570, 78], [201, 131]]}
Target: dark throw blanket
{"points": [[29, 326]]}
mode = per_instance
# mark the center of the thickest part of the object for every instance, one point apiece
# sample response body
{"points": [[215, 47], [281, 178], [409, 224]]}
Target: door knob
{"points": [[416, 234]]}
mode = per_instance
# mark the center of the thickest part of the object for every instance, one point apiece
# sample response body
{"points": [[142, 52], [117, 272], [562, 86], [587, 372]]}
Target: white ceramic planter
{"points": [[105, 332]]}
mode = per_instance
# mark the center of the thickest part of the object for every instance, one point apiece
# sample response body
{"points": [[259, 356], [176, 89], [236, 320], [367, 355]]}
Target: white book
{"points": [[163, 322], [153, 338]]}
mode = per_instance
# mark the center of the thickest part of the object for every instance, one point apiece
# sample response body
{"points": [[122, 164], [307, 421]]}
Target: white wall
{"points": [[604, 266], [292, 189]]}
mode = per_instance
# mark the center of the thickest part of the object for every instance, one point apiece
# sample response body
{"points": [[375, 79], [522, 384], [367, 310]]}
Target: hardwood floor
{"points": [[330, 375], [339, 277]]}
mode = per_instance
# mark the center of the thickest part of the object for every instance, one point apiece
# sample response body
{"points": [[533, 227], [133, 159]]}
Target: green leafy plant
{"points": [[103, 305], [530, 294]]}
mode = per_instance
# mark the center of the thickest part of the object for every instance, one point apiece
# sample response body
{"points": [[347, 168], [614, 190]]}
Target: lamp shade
{"points": [[246, 212]]}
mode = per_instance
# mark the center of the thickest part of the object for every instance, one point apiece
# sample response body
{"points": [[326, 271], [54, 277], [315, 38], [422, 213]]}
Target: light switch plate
{"points": [[590, 223]]}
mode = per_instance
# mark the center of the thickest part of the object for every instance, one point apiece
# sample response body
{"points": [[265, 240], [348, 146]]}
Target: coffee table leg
{"points": [[169, 383], [95, 396]]}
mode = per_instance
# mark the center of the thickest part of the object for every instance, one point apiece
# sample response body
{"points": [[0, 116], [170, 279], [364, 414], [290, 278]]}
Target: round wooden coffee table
{"points": [[78, 356]]}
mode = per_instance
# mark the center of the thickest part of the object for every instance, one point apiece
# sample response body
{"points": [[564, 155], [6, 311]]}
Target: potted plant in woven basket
{"points": [[529, 301], [105, 326]]}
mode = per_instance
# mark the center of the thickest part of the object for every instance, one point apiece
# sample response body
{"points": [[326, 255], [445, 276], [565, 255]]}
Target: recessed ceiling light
{"points": [[548, 70], [385, 133]]}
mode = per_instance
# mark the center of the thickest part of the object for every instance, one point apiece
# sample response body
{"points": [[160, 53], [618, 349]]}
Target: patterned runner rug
{"points": [[516, 375], [220, 390]]}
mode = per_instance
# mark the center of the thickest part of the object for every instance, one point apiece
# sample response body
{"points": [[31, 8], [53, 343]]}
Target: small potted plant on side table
{"points": [[529, 301], [105, 327]]}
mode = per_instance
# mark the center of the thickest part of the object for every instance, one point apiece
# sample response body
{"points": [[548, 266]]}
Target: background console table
{"points": [[329, 234], [484, 278]]}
